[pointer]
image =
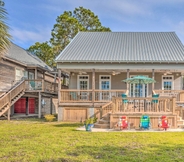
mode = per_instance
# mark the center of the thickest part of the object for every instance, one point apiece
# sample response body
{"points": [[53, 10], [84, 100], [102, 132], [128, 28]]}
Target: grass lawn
{"points": [[38, 141]]}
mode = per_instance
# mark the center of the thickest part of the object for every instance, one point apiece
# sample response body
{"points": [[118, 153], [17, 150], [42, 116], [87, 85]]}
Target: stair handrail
{"points": [[101, 109], [8, 96]]}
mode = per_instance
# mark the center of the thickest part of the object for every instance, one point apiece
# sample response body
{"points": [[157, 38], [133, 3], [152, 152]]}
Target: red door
{"points": [[20, 106], [31, 105]]}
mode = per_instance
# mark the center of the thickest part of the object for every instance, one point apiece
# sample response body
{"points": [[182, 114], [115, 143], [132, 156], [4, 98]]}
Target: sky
{"points": [[31, 21]]}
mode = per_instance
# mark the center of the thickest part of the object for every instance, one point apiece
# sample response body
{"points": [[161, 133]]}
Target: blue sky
{"points": [[32, 20]]}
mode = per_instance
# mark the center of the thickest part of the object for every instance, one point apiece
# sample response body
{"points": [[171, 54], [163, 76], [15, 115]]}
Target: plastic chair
{"points": [[155, 96], [145, 122]]}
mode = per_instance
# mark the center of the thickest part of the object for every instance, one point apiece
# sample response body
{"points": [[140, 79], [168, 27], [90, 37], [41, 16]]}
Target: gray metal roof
{"points": [[19, 54], [123, 47]]}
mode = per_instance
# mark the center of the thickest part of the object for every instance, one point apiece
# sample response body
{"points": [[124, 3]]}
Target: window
{"points": [[18, 74], [105, 84], [83, 84], [167, 82]]}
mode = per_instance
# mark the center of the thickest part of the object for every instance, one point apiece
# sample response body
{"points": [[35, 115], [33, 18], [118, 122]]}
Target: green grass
{"points": [[39, 141]]}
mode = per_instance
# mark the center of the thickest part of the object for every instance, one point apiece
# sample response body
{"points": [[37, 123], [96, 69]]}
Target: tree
{"points": [[44, 51], [69, 24], [4, 35]]}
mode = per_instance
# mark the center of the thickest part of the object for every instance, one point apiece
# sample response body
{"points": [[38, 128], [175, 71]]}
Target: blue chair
{"points": [[124, 98], [32, 83], [155, 96]]}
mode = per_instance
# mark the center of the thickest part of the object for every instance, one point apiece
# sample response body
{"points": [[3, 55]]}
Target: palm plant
{"points": [[4, 35]]}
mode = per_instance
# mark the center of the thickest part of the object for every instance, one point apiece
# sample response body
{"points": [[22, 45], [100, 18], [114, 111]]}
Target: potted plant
{"points": [[89, 123]]}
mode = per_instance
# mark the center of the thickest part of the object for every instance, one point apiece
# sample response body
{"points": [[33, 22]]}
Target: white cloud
{"points": [[40, 34]]}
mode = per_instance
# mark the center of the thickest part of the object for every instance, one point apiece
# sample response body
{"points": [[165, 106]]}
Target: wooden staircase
{"points": [[8, 98], [103, 123], [104, 117]]}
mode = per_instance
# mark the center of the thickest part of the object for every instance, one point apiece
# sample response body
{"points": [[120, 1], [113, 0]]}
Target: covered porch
{"points": [[98, 92]]}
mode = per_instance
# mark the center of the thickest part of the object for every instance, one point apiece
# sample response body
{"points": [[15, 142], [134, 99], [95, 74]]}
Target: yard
{"points": [[39, 141]]}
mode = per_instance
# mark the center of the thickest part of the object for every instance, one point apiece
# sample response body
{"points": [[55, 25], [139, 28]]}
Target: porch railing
{"points": [[147, 104], [41, 85], [71, 95], [179, 94]]}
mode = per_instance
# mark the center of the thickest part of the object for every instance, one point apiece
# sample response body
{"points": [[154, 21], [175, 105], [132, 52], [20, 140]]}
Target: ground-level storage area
{"points": [[20, 105]]}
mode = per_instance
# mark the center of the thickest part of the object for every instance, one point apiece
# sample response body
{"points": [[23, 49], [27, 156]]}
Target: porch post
{"points": [[128, 76], [39, 104], [153, 77], [59, 85], [93, 86], [43, 75], [36, 73]]}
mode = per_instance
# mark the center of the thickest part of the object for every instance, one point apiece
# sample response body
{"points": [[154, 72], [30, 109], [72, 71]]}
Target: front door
{"points": [[138, 90], [105, 86]]}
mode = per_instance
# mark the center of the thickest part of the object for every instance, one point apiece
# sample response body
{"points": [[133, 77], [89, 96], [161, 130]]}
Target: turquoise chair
{"points": [[32, 83], [124, 98], [155, 96]]}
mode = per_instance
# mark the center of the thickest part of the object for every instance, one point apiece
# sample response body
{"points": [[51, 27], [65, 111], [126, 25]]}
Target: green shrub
{"points": [[90, 121], [49, 117]]}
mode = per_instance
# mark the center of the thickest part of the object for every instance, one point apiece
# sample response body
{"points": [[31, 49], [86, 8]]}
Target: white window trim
{"points": [[78, 81], [172, 80], [100, 87], [134, 85]]}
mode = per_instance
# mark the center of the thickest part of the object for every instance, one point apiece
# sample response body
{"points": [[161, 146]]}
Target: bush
{"points": [[49, 118]]}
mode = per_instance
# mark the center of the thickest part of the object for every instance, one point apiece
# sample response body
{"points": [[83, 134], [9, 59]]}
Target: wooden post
{"points": [[36, 73], [39, 104], [27, 106], [43, 86], [51, 105], [101, 112], [113, 108], [128, 76], [182, 96], [116, 105], [165, 105], [157, 106], [59, 85], [9, 111], [93, 86], [153, 77], [173, 104]]}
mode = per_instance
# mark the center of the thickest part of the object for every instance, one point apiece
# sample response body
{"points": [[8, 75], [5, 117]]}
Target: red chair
{"points": [[164, 123], [123, 123]]}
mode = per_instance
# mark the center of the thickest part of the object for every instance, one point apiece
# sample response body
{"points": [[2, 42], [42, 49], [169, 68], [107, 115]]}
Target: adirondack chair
{"points": [[145, 122]]}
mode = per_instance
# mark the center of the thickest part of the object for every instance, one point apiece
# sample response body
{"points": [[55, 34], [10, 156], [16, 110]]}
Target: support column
{"points": [[153, 77], [51, 105], [9, 112], [27, 106], [36, 73], [59, 85], [43, 75], [93, 86], [39, 104], [128, 76]]}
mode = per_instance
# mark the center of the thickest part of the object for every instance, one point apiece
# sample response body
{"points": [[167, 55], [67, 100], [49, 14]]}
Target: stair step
{"points": [[107, 126], [103, 121]]}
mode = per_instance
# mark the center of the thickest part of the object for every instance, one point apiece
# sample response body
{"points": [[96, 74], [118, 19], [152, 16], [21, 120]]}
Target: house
{"points": [[98, 62], [28, 87]]}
